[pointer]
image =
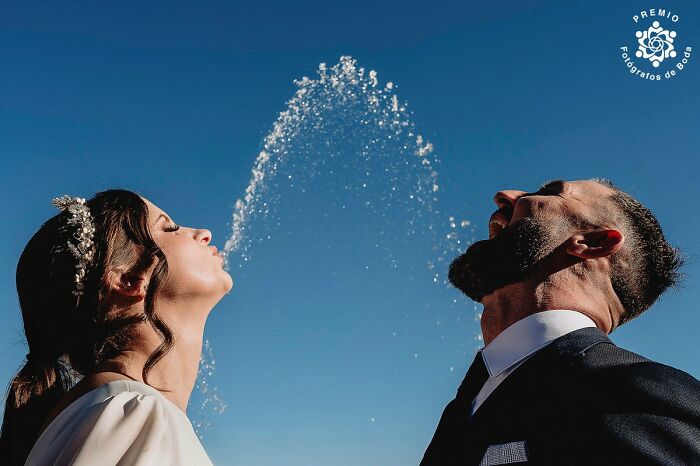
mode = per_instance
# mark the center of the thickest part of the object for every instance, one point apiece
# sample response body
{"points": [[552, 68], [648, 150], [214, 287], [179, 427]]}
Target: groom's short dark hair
{"points": [[647, 264]]}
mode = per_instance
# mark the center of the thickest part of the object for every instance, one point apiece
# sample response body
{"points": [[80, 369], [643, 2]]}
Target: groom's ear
{"points": [[595, 244]]}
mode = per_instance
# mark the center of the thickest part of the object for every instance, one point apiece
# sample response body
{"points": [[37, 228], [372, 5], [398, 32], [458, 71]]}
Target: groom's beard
{"points": [[509, 257]]}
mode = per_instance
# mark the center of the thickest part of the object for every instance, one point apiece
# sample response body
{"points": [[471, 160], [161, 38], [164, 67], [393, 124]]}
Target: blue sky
{"points": [[174, 102]]}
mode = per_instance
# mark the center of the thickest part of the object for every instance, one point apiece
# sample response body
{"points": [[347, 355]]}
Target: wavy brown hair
{"points": [[67, 342], [647, 265]]}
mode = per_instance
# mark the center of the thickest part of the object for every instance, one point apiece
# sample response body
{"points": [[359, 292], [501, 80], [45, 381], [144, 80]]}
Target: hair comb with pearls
{"points": [[84, 251]]}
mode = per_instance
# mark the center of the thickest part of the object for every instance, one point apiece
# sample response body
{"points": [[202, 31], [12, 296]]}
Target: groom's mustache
{"points": [[509, 257]]}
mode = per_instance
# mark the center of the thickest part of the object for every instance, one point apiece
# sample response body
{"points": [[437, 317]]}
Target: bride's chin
{"points": [[228, 287]]}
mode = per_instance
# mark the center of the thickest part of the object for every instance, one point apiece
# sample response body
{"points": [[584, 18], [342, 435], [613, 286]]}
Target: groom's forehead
{"points": [[593, 201], [589, 189]]}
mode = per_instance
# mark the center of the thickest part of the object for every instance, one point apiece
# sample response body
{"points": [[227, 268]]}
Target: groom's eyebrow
{"points": [[548, 187], [551, 183]]}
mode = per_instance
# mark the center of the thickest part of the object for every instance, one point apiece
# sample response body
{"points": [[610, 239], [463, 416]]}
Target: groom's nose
{"points": [[507, 197]]}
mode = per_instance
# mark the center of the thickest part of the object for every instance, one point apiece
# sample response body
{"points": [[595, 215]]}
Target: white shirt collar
{"points": [[530, 334]]}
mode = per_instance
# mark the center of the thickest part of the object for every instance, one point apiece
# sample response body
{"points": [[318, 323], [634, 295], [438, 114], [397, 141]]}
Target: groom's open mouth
{"points": [[499, 221]]}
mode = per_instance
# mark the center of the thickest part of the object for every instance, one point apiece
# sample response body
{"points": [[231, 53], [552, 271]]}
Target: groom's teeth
{"points": [[494, 228]]}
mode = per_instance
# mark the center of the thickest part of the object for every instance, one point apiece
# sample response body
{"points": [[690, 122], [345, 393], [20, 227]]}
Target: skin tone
{"points": [[195, 284], [575, 276]]}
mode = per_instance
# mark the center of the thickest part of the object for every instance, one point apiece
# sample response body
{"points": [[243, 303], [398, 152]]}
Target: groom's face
{"points": [[525, 228]]}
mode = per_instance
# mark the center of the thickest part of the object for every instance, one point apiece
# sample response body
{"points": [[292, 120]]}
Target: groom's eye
{"points": [[547, 191], [551, 188]]}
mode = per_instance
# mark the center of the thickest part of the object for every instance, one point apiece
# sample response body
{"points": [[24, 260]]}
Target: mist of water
{"points": [[347, 112], [350, 137], [207, 396]]}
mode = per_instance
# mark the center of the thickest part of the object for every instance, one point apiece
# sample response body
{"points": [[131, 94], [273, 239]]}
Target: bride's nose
{"points": [[203, 235]]}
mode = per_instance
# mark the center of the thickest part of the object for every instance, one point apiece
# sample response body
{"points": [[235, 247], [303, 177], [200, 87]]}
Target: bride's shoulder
{"points": [[102, 395], [85, 386], [108, 422]]}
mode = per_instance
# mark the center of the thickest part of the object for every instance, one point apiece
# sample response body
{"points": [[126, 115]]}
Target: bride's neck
{"points": [[174, 375]]}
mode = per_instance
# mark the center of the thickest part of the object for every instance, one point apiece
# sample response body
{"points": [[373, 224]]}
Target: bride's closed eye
{"points": [[172, 228]]}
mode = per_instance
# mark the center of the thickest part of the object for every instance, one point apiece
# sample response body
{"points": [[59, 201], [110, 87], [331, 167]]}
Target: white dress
{"points": [[122, 422]]}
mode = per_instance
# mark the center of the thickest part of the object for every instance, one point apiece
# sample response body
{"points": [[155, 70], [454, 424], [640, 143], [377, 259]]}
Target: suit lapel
{"points": [[543, 365], [513, 403], [461, 439]]}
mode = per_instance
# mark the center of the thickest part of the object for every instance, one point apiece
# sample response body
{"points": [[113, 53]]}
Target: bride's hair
{"points": [[66, 342]]}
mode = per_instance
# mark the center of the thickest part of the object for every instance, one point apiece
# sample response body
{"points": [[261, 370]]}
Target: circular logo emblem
{"points": [[657, 54]]}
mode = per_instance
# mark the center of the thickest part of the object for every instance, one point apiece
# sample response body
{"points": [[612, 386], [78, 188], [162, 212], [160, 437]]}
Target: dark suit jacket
{"points": [[581, 400]]}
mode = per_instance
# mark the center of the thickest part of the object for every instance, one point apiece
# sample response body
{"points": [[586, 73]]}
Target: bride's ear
{"points": [[126, 284], [595, 244]]}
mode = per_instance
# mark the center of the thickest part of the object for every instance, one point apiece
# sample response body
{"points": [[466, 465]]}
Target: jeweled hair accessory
{"points": [[84, 251]]}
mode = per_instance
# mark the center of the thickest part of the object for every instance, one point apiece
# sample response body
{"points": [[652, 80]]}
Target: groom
{"points": [[562, 268]]}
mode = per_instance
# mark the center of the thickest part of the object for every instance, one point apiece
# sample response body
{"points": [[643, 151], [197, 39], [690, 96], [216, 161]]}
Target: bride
{"points": [[114, 298]]}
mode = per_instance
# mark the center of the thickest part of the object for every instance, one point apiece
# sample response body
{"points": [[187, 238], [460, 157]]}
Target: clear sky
{"points": [[321, 361]]}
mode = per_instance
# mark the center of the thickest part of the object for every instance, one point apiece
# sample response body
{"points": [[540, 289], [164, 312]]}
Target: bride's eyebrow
{"points": [[162, 215]]}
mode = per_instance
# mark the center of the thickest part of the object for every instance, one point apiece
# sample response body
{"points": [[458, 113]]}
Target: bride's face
{"points": [[195, 272]]}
